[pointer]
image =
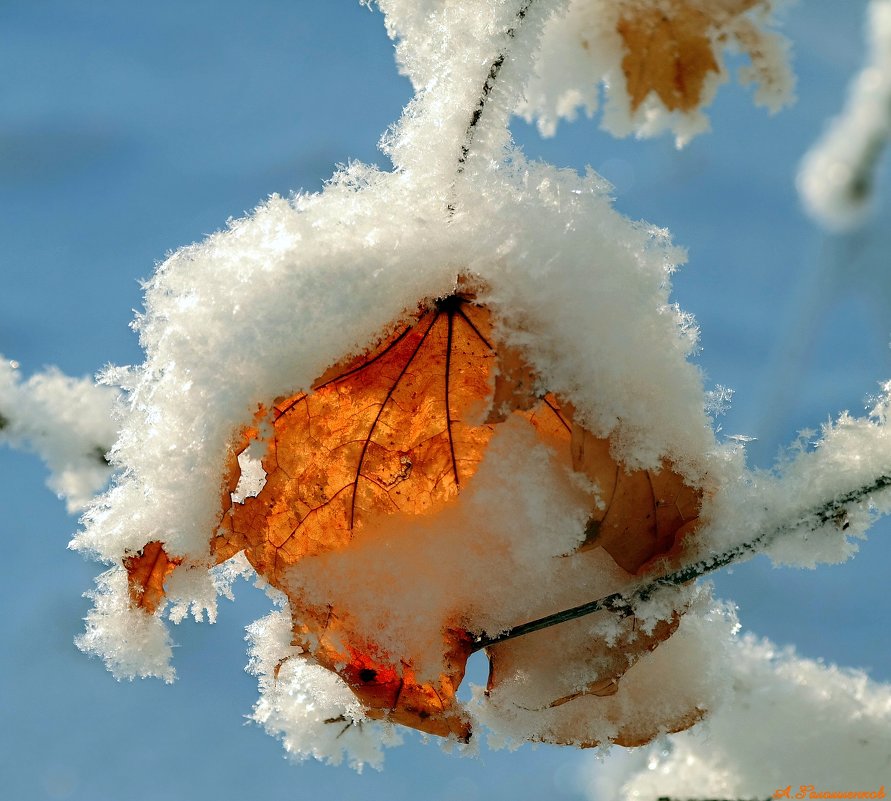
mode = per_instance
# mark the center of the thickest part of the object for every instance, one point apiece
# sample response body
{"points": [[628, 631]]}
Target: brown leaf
{"points": [[669, 47], [646, 514], [644, 519], [613, 660], [146, 573]]}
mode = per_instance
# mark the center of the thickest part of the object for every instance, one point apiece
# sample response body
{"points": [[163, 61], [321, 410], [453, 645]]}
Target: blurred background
{"points": [[130, 129]]}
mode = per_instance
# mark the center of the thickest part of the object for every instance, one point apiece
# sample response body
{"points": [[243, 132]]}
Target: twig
{"points": [[489, 85], [623, 604], [486, 93]]}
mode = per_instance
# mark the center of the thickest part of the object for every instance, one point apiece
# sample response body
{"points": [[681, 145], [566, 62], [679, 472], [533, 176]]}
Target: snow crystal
{"points": [[131, 643]]}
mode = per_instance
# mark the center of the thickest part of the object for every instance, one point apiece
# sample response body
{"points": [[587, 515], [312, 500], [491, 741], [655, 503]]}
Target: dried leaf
{"points": [[146, 573], [646, 514], [670, 47], [613, 660], [397, 429]]}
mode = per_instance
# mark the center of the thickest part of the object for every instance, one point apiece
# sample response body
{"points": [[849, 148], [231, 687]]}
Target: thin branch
{"points": [[489, 85], [623, 604]]}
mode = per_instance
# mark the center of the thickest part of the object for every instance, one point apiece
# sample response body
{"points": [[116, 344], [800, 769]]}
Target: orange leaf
{"points": [[398, 429]]}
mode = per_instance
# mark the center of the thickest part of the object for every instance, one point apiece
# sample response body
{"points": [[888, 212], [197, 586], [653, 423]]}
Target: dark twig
{"points": [[623, 604]]}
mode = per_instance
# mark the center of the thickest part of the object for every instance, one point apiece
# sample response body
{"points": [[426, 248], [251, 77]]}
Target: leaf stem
{"points": [[623, 604]]}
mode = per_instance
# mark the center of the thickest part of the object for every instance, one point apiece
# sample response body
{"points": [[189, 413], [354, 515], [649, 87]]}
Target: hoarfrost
{"points": [[800, 505]]}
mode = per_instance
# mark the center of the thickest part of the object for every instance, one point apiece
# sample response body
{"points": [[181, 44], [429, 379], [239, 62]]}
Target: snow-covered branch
{"points": [[837, 175], [489, 85], [67, 421], [833, 513]]}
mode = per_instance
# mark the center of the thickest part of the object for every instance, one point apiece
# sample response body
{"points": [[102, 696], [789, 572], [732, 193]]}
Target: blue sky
{"points": [[128, 130]]}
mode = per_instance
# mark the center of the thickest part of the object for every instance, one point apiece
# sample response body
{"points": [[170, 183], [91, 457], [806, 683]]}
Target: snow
{"points": [[131, 643], [309, 707], [795, 505]]}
